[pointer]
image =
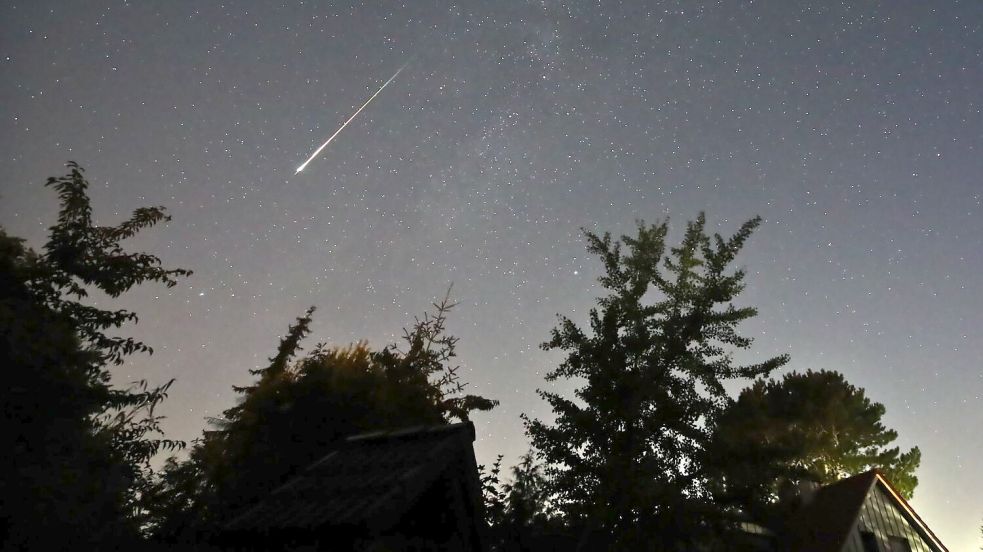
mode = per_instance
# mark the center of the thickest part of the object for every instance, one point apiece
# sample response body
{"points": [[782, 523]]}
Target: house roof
{"points": [[369, 482], [824, 523], [916, 520]]}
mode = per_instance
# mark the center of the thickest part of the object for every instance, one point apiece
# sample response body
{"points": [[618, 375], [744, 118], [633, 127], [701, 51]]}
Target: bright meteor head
{"points": [[359, 110]]}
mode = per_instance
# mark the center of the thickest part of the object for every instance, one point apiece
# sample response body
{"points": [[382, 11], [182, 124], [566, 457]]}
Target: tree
{"points": [[517, 511], [528, 493], [79, 446], [812, 425], [623, 459], [297, 411]]}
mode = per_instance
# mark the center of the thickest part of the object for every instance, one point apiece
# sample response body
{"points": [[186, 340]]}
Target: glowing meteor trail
{"points": [[359, 110]]}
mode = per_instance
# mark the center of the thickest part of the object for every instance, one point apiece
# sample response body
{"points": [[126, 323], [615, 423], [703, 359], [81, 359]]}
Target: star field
{"points": [[853, 128]]}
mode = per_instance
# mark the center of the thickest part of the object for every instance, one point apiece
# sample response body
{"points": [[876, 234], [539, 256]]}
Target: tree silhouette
{"points": [[517, 511], [623, 458], [811, 425], [79, 446], [295, 413]]}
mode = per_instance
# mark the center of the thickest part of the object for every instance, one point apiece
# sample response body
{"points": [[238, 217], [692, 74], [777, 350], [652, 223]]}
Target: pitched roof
{"points": [[824, 523], [916, 520], [369, 482]]}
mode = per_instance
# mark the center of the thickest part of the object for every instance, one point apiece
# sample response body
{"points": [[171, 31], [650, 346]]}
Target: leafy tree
{"points": [[297, 411], [812, 425], [528, 493], [492, 493], [623, 459], [79, 447], [517, 511]]}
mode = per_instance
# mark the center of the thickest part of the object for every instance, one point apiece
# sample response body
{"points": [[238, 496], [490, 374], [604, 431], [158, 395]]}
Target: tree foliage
{"points": [[812, 425], [517, 511], [79, 446], [623, 457], [297, 411]]}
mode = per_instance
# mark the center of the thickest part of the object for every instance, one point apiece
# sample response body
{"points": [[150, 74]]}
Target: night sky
{"points": [[853, 128]]}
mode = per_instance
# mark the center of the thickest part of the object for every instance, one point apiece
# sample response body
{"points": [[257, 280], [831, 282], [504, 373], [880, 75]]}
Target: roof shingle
{"points": [[367, 482]]}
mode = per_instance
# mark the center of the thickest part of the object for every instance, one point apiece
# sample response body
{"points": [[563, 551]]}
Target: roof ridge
{"points": [[844, 498], [919, 522], [412, 431]]}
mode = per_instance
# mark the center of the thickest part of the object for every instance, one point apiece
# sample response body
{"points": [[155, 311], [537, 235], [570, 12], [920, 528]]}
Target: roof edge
{"points": [[919, 522], [413, 431]]}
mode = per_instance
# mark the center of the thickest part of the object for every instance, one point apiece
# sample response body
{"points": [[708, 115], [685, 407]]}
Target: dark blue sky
{"points": [[853, 128]]}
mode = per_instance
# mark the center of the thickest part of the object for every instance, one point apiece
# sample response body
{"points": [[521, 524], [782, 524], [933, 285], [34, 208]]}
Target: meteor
{"points": [[359, 110]]}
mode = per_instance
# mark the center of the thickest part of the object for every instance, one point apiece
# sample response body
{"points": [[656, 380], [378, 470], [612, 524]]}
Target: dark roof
{"points": [[369, 482], [824, 523]]}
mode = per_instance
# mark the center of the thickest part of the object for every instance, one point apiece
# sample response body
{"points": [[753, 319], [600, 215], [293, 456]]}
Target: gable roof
{"points": [[825, 522], [369, 482], [913, 517]]}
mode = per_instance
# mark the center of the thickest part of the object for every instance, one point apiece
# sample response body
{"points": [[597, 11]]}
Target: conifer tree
{"points": [[814, 426], [623, 457]]}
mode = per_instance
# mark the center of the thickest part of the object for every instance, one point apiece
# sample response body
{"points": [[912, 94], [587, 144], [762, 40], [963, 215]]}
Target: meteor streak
{"points": [[359, 110]]}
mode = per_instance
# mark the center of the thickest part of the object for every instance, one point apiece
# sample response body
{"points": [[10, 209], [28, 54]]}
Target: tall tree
{"points": [[623, 458], [812, 425], [79, 446], [296, 411]]}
